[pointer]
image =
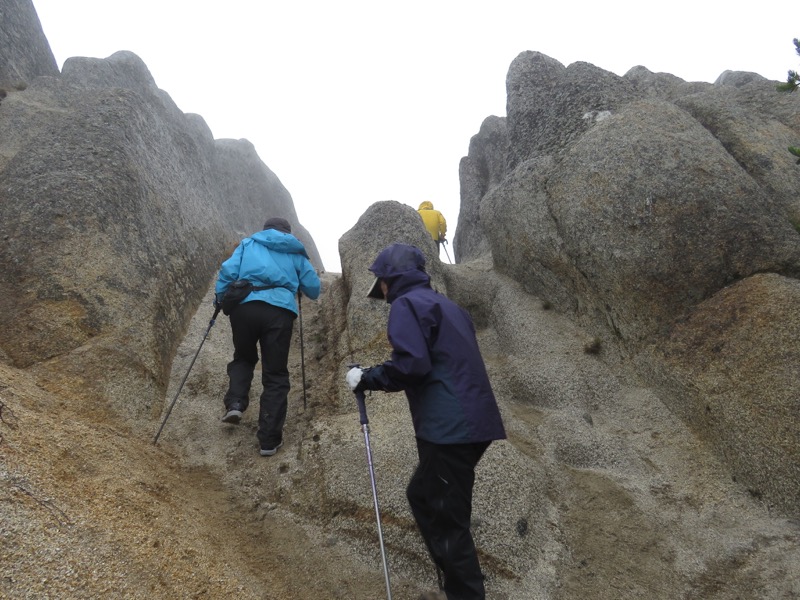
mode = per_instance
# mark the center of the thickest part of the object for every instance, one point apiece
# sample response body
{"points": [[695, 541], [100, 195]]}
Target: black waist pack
{"points": [[238, 291]]}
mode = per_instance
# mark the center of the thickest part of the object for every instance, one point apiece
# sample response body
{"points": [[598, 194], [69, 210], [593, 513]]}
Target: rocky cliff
{"points": [[115, 208], [630, 263], [664, 217]]}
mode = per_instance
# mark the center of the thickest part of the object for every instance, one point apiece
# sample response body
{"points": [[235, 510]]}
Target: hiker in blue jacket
{"points": [[276, 260], [436, 361]]}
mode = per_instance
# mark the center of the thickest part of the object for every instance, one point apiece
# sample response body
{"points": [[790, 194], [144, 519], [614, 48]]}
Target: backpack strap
{"points": [[258, 288]]}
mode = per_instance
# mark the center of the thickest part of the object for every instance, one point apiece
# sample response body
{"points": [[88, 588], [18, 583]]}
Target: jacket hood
{"points": [[279, 241], [407, 281], [402, 267], [427, 205], [397, 259]]}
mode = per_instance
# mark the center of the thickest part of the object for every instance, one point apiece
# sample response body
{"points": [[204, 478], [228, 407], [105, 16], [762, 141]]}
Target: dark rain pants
{"points": [[440, 494], [254, 324]]}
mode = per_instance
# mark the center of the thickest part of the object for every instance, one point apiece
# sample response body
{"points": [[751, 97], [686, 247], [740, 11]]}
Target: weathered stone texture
{"points": [[384, 223], [115, 210], [549, 106], [630, 202], [24, 51], [482, 169], [732, 366]]}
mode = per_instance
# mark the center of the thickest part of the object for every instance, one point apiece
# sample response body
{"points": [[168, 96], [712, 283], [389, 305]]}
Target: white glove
{"points": [[353, 377]]}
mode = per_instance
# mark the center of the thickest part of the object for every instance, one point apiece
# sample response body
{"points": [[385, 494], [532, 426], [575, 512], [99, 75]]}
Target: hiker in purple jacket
{"points": [[436, 361]]}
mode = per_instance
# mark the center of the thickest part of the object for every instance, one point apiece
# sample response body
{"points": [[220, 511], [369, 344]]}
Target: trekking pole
{"points": [[444, 245], [185, 377], [362, 411], [302, 350]]}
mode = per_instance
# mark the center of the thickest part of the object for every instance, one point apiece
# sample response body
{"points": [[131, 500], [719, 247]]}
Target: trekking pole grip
{"points": [[361, 398], [362, 407]]}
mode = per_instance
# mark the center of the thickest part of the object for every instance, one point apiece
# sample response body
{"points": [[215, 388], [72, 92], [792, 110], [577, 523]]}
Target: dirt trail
{"points": [[279, 549], [91, 509]]}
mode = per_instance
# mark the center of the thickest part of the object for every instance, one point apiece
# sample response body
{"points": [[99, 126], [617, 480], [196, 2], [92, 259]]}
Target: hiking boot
{"points": [[270, 451], [233, 415]]}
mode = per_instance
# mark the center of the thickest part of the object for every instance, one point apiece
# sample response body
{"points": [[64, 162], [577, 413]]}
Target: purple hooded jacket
{"points": [[435, 357]]}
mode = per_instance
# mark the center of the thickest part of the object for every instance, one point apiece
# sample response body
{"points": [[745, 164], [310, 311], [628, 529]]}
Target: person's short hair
{"points": [[279, 224]]}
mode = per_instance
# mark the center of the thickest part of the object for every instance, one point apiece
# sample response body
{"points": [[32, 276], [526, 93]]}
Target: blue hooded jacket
{"points": [[271, 257], [435, 357]]}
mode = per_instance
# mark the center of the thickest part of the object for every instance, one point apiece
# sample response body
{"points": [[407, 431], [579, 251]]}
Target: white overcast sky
{"points": [[351, 102]]}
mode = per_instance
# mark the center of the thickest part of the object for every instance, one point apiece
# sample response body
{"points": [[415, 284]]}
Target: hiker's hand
{"points": [[217, 302], [353, 378]]}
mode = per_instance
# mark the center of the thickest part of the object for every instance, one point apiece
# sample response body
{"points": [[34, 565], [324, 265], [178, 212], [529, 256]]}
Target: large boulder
{"points": [[115, 210], [654, 216], [384, 223], [549, 106], [630, 202]]}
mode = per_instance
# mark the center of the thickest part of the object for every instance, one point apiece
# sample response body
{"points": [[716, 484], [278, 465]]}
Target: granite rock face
{"points": [[24, 49], [633, 282], [115, 210], [631, 202], [481, 170], [384, 223], [549, 105], [730, 369]]}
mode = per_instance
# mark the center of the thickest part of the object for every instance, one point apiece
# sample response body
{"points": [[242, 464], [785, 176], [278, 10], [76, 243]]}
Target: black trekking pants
{"points": [[254, 324], [440, 495]]}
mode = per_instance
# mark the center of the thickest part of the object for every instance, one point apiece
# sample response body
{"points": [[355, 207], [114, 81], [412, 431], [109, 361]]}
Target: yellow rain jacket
{"points": [[434, 221]]}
